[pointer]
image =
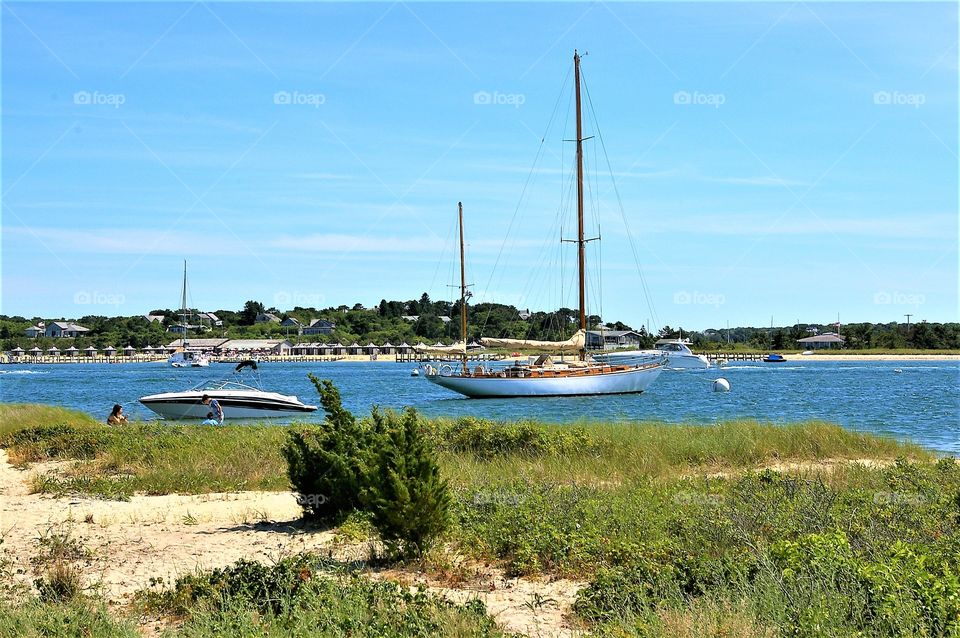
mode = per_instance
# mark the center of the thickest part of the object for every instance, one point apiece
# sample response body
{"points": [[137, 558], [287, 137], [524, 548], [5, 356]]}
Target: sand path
{"points": [[168, 536]]}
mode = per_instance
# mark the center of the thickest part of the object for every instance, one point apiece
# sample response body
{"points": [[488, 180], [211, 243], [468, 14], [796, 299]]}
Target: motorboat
{"points": [[677, 351], [238, 400], [774, 358]]}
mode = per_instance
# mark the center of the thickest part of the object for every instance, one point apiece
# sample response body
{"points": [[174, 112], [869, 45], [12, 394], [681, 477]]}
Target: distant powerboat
{"points": [[774, 358], [678, 354], [238, 400]]}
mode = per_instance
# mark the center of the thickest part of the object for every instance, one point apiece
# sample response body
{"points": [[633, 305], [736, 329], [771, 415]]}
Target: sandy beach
{"points": [[130, 542]]}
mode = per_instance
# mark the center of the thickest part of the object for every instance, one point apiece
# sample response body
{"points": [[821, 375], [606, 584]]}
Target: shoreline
{"points": [[392, 359]]}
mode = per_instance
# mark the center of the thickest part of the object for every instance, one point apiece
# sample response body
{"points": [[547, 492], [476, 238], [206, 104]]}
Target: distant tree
{"points": [[248, 316]]}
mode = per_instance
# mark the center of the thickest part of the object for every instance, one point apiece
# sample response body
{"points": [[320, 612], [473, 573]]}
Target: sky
{"points": [[749, 163]]}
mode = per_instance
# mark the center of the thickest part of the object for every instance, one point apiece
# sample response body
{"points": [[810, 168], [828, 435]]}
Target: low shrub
{"points": [[486, 438]]}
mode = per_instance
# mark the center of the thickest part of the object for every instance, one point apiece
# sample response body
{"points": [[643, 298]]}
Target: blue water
{"points": [[921, 404]]}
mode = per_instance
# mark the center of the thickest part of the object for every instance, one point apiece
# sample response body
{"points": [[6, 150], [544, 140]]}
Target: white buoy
{"points": [[721, 385], [898, 370]]}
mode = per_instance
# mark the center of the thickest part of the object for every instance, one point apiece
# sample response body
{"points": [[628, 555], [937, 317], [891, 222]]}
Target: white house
{"points": [[608, 339]]}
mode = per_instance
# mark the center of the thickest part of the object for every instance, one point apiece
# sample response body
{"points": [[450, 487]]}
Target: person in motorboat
{"points": [[116, 415], [215, 416]]}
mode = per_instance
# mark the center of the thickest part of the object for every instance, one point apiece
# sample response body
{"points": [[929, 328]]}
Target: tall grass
{"points": [[161, 458]]}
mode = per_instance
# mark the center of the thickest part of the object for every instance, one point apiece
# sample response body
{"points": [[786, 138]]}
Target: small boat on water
{"points": [[774, 358], [184, 357], [677, 351], [238, 400]]}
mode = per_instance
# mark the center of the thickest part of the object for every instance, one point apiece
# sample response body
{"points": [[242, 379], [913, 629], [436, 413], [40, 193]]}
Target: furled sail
{"points": [[458, 348], [575, 343]]}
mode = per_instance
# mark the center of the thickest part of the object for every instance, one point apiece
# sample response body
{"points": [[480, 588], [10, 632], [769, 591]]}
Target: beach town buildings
{"points": [[266, 317], [320, 327], [56, 329], [610, 339], [826, 340]]}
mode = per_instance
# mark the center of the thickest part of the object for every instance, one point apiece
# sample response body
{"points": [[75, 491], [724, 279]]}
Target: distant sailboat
{"points": [[545, 377], [184, 357]]}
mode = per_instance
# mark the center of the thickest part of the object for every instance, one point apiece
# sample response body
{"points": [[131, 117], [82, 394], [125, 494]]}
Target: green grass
{"points": [[677, 528], [162, 458]]}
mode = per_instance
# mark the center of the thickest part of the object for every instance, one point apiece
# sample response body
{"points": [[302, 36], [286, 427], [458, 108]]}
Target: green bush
{"points": [[408, 501], [326, 463]]}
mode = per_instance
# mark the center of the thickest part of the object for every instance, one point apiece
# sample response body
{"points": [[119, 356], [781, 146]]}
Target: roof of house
{"points": [[828, 337], [69, 325], [198, 343], [252, 344], [267, 316], [321, 322]]}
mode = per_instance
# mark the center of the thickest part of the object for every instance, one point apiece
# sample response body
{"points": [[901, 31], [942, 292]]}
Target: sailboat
{"points": [[184, 357], [545, 377]]}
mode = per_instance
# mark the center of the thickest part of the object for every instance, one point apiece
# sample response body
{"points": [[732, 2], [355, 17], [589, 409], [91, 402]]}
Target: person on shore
{"points": [[215, 416], [117, 416]]}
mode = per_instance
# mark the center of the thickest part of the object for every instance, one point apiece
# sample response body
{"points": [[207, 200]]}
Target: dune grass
{"points": [[163, 458]]}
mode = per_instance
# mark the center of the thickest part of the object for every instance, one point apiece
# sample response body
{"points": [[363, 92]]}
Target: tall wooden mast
{"points": [[581, 242], [463, 290]]}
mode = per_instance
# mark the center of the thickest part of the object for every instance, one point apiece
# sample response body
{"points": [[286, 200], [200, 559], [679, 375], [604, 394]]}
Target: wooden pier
{"points": [[726, 357]]}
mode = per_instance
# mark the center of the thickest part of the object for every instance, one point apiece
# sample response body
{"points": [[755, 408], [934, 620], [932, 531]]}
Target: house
{"points": [[250, 346], [291, 322], [610, 339], [196, 344], [35, 331], [813, 330], [410, 318], [525, 314], [320, 327], [210, 318], [64, 329], [154, 318], [826, 340], [180, 328], [267, 317]]}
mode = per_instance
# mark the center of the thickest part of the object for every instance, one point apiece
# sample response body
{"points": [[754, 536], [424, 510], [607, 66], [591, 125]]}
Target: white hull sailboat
{"points": [[185, 357], [545, 377]]}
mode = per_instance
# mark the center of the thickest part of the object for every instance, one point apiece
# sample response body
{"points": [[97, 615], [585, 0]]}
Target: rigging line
{"points": [[623, 215], [523, 192]]}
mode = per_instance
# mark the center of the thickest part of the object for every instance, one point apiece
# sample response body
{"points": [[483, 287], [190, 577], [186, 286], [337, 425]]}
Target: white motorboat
{"points": [[678, 354], [544, 377], [238, 400]]}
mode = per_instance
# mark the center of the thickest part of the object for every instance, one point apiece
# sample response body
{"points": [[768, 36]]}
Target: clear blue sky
{"points": [[782, 160]]}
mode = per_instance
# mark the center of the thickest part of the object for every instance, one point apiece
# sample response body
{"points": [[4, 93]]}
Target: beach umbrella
{"points": [[149, 349], [109, 351], [90, 350], [17, 350], [128, 349], [34, 351], [53, 350], [72, 350]]}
